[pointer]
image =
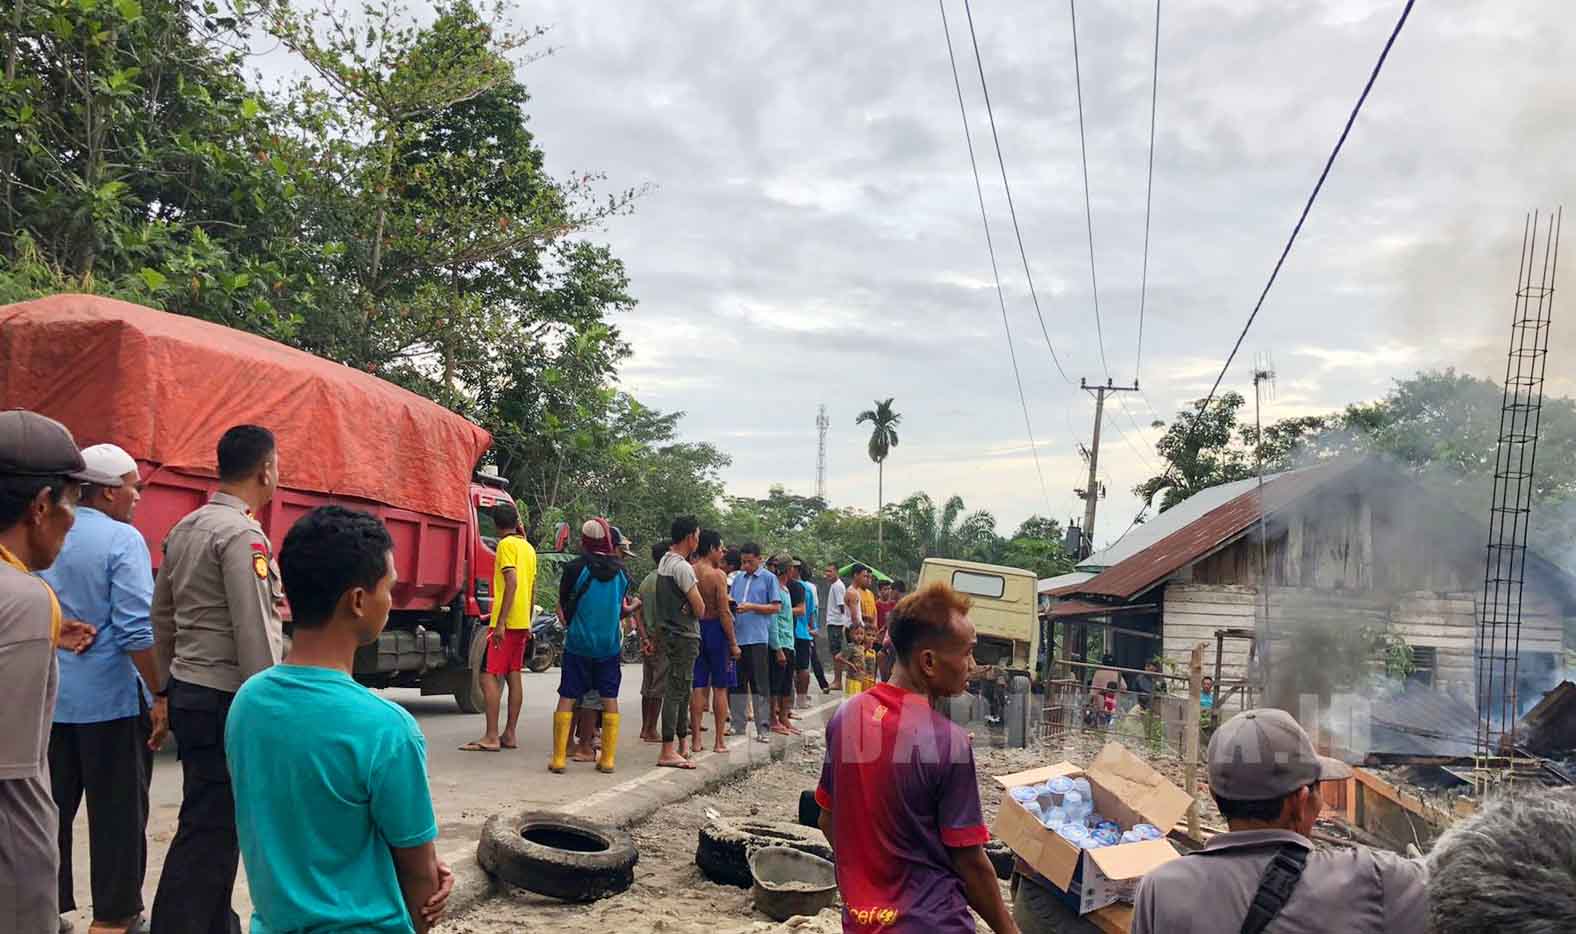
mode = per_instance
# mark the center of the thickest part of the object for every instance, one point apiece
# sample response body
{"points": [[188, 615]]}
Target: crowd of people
{"points": [[729, 632], [320, 786]]}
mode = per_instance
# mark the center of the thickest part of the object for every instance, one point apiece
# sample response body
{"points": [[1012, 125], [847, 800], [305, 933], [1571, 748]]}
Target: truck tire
{"points": [[469, 696], [558, 855], [723, 853]]}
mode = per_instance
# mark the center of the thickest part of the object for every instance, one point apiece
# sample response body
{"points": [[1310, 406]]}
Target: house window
{"points": [[1425, 662], [980, 585]]}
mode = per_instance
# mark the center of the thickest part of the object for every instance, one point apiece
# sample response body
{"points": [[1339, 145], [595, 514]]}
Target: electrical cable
{"points": [[1083, 148], [990, 247], [1307, 207], [1149, 193], [1013, 211]]}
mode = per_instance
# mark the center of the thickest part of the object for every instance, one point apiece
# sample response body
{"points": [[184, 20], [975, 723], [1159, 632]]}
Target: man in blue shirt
{"points": [[806, 658], [332, 808], [592, 605], [106, 724], [759, 597]]}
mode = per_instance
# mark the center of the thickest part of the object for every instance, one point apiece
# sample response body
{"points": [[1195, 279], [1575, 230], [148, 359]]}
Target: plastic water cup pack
{"points": [[1101, 823], [1053, 818], [1081, 785], [1025, 793], [1106, 837], [1074, 834], [1133, 836], [1147, 831], [1060, 785], [1072, 801], [1033, 807]]}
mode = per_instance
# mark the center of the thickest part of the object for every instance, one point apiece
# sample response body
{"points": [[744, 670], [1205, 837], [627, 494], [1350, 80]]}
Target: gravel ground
{"points": [[670, 895]]}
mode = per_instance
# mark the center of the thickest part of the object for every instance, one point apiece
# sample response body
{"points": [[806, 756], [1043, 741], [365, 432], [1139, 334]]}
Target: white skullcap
{"points": [[109, 459]]}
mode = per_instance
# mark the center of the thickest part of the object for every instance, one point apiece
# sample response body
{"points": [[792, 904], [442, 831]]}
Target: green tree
{"points": [[135, 162], [883, 420]]}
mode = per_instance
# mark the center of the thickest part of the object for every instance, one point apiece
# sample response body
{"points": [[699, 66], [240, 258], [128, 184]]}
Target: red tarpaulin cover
{"points": [[165, 387]]}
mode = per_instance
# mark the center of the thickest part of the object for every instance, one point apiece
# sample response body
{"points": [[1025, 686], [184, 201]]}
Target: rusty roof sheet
{"points": [[1206, 534]]}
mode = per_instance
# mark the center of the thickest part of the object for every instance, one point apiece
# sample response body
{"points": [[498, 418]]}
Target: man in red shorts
{"points": [[899, 797], [514, 588]]}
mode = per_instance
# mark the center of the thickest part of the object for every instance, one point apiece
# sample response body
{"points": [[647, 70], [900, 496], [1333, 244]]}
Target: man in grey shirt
{"points": [[215, 624], [41, 477], [1264, 775]]}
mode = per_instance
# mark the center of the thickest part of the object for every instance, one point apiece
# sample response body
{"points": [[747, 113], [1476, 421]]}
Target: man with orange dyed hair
{"points": [[899, 796]]}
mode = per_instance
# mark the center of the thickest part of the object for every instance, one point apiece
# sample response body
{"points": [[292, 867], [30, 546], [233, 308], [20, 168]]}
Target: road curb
{"points": [[637, 799]]}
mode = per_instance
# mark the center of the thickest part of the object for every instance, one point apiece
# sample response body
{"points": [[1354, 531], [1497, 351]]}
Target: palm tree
{"points": [[883, 438], [948, 532]]}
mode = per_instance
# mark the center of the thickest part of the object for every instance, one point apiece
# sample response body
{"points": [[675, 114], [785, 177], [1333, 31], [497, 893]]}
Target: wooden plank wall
{"points": [[1445, 621]]}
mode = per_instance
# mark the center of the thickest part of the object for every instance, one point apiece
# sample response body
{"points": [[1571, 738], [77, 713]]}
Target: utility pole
{"points": [[822, 423], [1091, 493], [1262, 373]]}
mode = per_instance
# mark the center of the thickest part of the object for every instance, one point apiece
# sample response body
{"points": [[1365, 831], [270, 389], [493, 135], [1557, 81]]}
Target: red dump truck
{"points": [[165, 387]]}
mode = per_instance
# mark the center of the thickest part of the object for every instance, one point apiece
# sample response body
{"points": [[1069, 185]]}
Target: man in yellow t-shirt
{"points": [[514, 587]]}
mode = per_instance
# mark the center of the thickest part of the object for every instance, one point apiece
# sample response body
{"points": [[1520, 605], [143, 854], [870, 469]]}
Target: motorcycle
{"points": [[547, 643], [629, 653]]}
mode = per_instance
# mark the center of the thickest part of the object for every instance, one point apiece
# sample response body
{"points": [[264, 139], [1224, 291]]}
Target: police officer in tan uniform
{"points": [[215, 624], [1266, 875]]}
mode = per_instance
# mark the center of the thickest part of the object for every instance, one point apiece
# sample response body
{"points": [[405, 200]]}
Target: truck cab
{"points": [[1005, 612]]}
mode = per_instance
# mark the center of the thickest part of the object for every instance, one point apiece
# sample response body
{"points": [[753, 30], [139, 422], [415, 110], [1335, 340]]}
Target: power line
{"points": [[1149, 192], [990, 248], [1286, 250], [1013, 211], [1083, 148]]}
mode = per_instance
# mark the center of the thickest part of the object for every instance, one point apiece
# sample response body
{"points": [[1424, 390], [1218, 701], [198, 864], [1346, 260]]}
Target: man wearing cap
{"points": [[106, 723], [1265, 873], [592, 604], [41, 473], [215, 624]]}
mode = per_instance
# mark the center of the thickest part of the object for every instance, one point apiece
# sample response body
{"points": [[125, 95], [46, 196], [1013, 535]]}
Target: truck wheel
{"points": [[558, 855], [469, 696]]}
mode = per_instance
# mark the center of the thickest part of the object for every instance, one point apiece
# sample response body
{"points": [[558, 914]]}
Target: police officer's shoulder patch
{"points": [[260, 565]]}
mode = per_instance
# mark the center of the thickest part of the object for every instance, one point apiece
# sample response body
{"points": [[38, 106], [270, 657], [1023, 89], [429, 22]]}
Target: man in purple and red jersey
{"points": [[899, 797]]}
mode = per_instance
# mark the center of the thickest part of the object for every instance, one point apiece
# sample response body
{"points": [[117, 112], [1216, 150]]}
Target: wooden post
{"points": [[1190, 735]]}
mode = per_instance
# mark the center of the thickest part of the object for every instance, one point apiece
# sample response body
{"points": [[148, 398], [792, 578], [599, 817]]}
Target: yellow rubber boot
{"points": [[604, 762], [562, 724]]}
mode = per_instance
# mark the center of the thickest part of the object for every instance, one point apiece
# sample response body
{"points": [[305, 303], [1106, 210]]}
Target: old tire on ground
{"points": [[558, 855], [809, 810], [469, 695], [1001, 858], [723, 853]]}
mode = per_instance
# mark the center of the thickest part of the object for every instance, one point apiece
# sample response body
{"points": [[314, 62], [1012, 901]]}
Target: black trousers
{"points": [[199, 869], [109, 763], [755, 680], [815, 663]]}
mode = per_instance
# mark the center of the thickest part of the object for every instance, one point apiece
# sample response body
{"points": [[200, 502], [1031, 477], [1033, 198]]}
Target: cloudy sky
{"points": [[814, 235]]}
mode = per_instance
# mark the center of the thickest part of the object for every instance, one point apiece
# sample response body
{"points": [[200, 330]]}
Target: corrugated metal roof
{"points": [[1421, 721], [1158, 527], [1060, 581], [1207, 533]]}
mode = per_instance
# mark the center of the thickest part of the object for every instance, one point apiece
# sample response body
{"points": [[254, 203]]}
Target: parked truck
{"points": [[1005, 610], [165, 387]]}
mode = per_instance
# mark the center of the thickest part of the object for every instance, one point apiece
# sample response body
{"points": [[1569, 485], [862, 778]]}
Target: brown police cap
{"points": [[33, 445]]}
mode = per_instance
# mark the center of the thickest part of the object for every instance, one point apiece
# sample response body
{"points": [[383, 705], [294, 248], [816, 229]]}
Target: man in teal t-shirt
{"points": [[331, 801]]}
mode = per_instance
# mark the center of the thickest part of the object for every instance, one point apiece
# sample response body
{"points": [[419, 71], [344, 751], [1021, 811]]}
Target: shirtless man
{"points": [[715, 669], [854, 598]]}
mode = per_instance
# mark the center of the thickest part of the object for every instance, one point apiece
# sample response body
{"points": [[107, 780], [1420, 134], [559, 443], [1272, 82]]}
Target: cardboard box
{"points": [[1127, 790]]}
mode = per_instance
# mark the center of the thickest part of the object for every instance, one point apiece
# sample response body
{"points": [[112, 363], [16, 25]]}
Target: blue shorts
{"points": [[581, 675], [715, 668]]}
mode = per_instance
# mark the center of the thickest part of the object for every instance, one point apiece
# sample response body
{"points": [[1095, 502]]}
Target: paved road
{"points": [[467, 787]]}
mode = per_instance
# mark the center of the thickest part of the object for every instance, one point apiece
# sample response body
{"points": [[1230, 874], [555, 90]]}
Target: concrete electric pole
{"points": [[1091, 493]]}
